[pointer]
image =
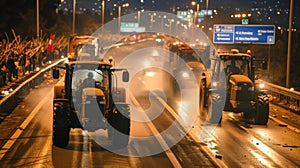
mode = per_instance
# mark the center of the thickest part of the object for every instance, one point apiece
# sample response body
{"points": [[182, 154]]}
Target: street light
{"points": [[102, 10], [139, 18], [152, 19], [170, 24], [197, 11], [74, 13], [289, 45], [206, 14], [162, 22], [37, 19], [176, 29], [119, 14]]}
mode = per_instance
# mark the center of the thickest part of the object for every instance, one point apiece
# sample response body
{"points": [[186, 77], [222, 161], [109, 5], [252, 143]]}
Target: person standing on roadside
{"points": [[22, 62], [32, 62], [11, 66], [2, 74]]}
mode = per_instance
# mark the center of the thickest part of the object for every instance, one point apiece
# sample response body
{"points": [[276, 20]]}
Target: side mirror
{"points": [[55, 73], [125, 76]]}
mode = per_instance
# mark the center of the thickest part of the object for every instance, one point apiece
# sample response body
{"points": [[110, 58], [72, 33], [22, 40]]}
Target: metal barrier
{"points": [[283, 95], [9, 102]]}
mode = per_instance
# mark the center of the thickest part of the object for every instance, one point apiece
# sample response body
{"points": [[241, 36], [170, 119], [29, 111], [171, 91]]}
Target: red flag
{"points": [[50, 44]]}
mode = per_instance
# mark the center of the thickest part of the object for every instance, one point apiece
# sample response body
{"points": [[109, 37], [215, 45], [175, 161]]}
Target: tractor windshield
{"points": [[229, 66], [236, 66], [87, 76], [83, 78]]}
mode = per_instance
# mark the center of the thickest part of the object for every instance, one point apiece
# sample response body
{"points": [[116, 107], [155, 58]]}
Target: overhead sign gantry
{"points": [[253, 34]]}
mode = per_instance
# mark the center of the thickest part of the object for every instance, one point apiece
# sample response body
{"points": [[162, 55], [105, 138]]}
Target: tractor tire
{"points": [[119, 130], [205, 114], [110, 132], [120, 133], [201, 99], [216, 111], [61, 129], [213, 112], [261, 116]]}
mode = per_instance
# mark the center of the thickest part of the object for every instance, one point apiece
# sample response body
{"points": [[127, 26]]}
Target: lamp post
{"points": [[170, 24], [37, 19], [162, 22], [103, 10], [176, 29], [119, 14], [197, 11], [289, 45], [139, 18], [152, 19], [206, 15], [74, 13]]}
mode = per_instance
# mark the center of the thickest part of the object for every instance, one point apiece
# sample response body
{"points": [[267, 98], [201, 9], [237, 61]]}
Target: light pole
{"points": [[152, 19], [206, 12], [139, 18], [176, 29], [170, 23], [119, 14], [119, 18], [197, 11], [162, 22], [103, 10], [74, 13], [289, 45], [37, 19]]}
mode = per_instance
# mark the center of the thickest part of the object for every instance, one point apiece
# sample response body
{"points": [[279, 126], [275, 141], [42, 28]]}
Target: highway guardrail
{"points": [[283, 95], [10, 101]]}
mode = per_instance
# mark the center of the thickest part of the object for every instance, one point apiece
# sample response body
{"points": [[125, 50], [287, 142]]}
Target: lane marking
{"points": [[283, 123], [266, 150], [22, 127], [159, 138], [218, 162], [207, 150]]}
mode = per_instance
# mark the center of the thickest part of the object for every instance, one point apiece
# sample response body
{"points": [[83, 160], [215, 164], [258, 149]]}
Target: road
{"points": [[26, 134]]}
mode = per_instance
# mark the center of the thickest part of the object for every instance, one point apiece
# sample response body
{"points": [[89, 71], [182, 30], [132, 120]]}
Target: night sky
{"points": [[170, 5]]}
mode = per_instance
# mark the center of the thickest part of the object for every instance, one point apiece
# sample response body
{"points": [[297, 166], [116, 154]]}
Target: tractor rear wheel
{"points": [[61, 129], [261, 116]]}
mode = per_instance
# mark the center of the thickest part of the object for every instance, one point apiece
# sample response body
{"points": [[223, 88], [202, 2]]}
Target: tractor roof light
{"points": [[110, 59], [235, 51]]}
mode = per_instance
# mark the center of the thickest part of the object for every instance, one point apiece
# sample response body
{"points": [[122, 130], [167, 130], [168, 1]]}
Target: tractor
{"points": [[234, 72], [91, 104]]}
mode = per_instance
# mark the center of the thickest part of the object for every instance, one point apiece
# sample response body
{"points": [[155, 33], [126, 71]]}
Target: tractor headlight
{"points": [[215, 84], [261, 86], [237, 88], [185, 75], [251, 89]]}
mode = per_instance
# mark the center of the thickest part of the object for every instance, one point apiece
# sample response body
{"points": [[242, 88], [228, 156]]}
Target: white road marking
{"points": [[283, 123], [265, 149], [160, 139], [22, 127], [190, 133]]}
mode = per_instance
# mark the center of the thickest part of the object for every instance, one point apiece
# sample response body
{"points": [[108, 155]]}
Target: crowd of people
{"points": [[20, 57]]}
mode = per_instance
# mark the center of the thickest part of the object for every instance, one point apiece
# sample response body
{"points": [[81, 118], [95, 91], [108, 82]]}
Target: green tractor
{"points": [[92, 103], [234, 73]]}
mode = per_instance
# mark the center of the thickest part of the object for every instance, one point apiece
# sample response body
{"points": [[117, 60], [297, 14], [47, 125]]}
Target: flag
{"points": [[50, 44]]}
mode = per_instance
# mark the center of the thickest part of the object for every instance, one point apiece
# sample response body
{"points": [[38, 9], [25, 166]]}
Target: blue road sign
{"points": [[252, 34], [223, 33]]}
